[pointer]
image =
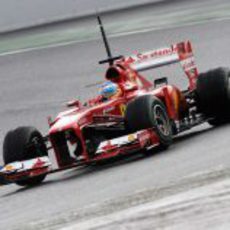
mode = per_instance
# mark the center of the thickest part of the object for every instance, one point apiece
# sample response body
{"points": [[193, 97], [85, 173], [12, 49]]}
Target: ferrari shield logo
{"points": [[123, 109]]}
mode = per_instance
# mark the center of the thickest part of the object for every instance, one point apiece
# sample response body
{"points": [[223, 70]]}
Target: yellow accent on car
{"points": [[9, 167], [123, 109], [131, 137]]}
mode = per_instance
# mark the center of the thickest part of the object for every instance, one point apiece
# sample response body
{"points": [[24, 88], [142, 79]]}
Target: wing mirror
{"points": [[74, 103]]}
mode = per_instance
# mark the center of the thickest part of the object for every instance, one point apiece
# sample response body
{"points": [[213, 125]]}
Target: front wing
{"points": [[21, 170], [24, 169], [144, 139]]}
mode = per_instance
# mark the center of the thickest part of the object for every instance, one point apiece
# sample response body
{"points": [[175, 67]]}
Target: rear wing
{"points": [[178, 53]]}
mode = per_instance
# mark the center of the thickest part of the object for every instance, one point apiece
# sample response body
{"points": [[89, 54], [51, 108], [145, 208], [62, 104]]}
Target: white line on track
{"points": [[63, 44]]}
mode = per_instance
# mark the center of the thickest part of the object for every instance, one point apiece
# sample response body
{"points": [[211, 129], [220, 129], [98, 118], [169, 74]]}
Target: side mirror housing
{"points": [[74, 103]]}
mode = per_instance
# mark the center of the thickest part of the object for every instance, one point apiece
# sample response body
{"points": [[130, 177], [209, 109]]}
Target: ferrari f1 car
{"points": [[145, 116]]}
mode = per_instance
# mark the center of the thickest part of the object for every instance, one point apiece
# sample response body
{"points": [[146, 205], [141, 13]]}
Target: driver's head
{"points": [[108, 89]]}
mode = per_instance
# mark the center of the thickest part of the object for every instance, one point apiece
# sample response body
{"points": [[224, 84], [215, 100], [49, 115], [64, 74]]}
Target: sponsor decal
{"points": [[141, 57], [108, 110], [117, 142], [188, 64]]}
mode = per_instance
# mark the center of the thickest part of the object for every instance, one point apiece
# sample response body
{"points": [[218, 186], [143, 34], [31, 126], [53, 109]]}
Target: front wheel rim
{"points": [[161, 120]]}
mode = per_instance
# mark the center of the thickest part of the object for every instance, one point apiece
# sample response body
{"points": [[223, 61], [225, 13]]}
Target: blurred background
{"points": [[22, 13]]}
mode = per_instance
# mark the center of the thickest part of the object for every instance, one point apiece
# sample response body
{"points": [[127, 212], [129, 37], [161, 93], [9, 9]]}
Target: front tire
{"points": [[24, 143], [149, 112]]}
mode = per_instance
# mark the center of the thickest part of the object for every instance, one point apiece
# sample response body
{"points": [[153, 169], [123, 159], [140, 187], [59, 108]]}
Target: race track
{"points": [[36, 84]]}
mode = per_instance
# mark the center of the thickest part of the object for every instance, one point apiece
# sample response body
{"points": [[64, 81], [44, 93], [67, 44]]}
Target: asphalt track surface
{"points": [[35, 84]]}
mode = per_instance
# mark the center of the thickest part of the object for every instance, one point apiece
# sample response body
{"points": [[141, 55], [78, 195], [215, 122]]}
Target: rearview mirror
{"points": [[75, 103]]}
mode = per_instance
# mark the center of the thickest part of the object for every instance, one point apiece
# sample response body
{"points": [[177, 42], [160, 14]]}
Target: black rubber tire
{"points": [[19, 145], [213, 95], [140, 114]]}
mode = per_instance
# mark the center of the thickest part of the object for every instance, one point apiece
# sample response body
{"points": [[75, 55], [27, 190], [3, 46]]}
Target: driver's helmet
{"points": [[108, 89]]}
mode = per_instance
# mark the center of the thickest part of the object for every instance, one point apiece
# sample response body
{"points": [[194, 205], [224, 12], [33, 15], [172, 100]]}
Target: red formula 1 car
{"points": [[142, 117]]}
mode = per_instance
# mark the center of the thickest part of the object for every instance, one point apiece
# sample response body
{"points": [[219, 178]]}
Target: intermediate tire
{"points": [[213, 95], [24, 143], [149, 112]]}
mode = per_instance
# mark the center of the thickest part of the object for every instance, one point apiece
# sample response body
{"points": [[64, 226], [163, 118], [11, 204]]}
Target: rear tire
{"points": [[213, 95], [149, 112], [21, 144]]}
